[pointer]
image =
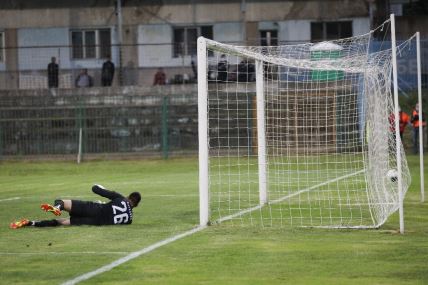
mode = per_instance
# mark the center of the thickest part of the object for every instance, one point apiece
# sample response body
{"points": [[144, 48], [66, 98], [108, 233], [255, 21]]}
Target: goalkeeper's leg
{"points": [[50, 223], [40, 224], [58, 206], [19, 224], [45, 223]]}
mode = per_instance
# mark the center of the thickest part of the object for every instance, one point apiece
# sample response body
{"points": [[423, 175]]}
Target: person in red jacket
{"points": [[160, 77], [416, 122], [404, 121]]}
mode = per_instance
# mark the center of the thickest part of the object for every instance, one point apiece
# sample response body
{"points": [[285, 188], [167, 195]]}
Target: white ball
{"points": [[392, 174]]}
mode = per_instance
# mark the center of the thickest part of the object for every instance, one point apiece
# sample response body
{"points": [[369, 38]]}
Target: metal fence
{"points": [[155, 121]]}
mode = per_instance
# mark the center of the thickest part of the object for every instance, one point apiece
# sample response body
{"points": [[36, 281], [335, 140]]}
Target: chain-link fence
{"points": [[154, 121]]}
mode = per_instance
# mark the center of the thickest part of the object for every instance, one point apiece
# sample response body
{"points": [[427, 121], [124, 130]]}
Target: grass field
{"points": [[221, 254]]}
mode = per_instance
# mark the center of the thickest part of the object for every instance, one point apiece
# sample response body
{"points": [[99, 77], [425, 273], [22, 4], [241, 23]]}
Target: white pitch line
{"points": [[154, 246], [10, 199], [132, 255], [246, 211], [66, 253], [316, 186]]}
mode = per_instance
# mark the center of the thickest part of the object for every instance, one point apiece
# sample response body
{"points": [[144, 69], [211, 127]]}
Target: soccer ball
{"points": [[392, 175]]}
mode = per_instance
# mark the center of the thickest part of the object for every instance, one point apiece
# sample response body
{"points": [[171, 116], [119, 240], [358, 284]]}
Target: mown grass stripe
{"points": [[132, 255]]}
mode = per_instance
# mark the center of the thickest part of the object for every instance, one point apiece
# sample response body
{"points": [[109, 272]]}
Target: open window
{"points": [[322, 31], [184, 39]]}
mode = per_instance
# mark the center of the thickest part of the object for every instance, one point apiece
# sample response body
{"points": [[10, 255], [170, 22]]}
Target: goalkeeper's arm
{"points": [[100, 190]]}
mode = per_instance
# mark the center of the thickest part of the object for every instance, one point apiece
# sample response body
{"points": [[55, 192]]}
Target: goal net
{"points": [[297, 135]]}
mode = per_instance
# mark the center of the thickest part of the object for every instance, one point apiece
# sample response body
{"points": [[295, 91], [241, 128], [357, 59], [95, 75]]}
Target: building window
{"points": [[321, 31], [2, 50], [184, 39], [269, 38], [90, 43]]}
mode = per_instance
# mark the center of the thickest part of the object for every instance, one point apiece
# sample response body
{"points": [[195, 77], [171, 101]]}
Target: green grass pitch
{"points": [[222, 254]]}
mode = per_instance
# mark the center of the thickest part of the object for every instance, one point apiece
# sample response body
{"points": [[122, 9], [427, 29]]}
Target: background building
{"points": [[81, 34]]}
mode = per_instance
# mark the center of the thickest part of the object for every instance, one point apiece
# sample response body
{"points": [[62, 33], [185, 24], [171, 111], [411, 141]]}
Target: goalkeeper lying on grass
{"points": [[117, 211]]}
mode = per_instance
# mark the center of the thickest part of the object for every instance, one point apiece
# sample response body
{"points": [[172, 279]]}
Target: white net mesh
{"points": [[330, 151]]}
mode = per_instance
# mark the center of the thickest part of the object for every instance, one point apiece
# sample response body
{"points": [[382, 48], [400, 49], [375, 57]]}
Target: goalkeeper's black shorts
{"points": [[86, 213]]}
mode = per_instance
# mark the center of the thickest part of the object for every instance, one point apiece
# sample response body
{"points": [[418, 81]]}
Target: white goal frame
{"points": [[204, 195]]}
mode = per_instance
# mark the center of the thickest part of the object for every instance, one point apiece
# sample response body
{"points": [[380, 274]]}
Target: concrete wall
{"points": [[46, 18], [35, 58], [360, 26], [408, 26], [152, 54], [300, 30], [10, 79], [295, 30], [2, 51], [228, 32], [198, 13]]}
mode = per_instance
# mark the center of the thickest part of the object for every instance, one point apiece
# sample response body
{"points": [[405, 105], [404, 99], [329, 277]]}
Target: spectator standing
{"points": [[246, 71], [160, 77], [53, 73], [222, 68], [416, 122], [84, 80], [194, 69], [107, 72]]}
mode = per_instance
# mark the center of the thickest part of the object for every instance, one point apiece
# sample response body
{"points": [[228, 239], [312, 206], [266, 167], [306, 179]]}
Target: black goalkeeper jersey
{"points": [[117, 211]]}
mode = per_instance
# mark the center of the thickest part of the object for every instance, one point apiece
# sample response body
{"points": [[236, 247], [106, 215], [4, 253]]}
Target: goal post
{"points": [[397, 125], [421, 140], [298, 135], [203, 132], [261, 133]]}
